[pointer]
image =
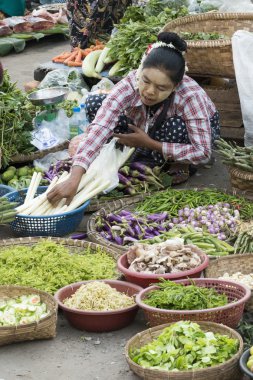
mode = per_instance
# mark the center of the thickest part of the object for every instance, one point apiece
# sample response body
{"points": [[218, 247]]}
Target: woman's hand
{"points": [[138, 139], [67, 189]]}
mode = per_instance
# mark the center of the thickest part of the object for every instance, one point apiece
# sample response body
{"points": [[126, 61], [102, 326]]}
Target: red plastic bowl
{"points": [[229, 314], [145, 279], [99, 321]]}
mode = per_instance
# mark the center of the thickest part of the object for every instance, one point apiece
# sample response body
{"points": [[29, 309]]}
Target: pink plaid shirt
{"points": [[190, 102]]}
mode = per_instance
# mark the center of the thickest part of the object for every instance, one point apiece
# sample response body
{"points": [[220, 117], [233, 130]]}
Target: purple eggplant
{"points": [[118, 240], [125, 213], [124, 180], [158, 217], [129, 239], [114, 218], [130, 190], [141, 168], [124, 170]]}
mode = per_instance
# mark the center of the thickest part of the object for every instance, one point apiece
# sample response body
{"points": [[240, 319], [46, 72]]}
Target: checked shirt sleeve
{"points": [[196, 118], [103, 125]]}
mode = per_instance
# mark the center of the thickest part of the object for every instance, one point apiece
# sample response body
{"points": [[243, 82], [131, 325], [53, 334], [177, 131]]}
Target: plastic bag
{"points": [[242, 47], [236, 6], [106, 165], [51, 133], [204, 6], [64, 78], [51, 158], [104, 84]]}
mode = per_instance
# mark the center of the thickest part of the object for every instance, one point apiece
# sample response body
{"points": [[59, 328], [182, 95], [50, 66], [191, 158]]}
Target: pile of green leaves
{"points": [[16, 120], [138, 28], [245, 328], [173, 296], [184, 346], [49, 266], [202, 36]]}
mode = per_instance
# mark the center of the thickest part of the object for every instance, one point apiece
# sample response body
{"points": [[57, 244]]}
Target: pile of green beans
{"points": [[173, 200], [234, 155]]}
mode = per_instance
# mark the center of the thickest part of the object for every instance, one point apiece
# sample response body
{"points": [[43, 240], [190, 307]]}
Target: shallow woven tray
{"points": [[232, 264], [19, 158], [212, 57], [75, 246], [226, 371], [43, 329], [97, 204]]}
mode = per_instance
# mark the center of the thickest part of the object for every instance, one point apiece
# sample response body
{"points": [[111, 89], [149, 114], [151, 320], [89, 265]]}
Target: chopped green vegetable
{"points": [[22, 310], [185, 346], [202, 36], [173, 296], [49, 266]]}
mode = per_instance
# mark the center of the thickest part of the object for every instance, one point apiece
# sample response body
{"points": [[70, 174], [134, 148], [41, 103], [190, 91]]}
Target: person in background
{"points": [[87, 18], [159, 110], [12, 7]]}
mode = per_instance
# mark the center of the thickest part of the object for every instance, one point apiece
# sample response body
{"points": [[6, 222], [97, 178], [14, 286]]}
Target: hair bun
{"points": [[174, 39]]}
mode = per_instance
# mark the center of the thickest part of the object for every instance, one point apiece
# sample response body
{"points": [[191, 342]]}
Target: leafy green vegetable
{"points": [[245, 328], [184, 346], [132, 38], [49, 266], [173, 296], [202, 36]]}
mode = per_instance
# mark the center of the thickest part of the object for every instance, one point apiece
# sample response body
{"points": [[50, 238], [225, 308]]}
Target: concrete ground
{"points": [[74, 354]]}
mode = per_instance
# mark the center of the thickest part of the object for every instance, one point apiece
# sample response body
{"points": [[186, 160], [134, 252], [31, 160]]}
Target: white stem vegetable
{"points": [[27, 198], [101, 63], [35, 186], [89, 63]]}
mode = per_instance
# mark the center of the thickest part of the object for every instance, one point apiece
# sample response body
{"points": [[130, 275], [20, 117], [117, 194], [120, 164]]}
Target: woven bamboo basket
{"points": [[242, 180], [43, 329], [211, 57], [20, 158], [232, 264], [226, 371]]}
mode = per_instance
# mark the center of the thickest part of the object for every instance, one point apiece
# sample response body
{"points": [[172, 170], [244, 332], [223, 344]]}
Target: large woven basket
{"points": [[226, 371], [212, 57], [232, 264], [242, 180], [43, 329], [20, 158], [229, 314]]}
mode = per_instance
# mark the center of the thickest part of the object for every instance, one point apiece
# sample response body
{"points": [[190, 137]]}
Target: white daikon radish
{"points": [[27, 198], [35, 186]]}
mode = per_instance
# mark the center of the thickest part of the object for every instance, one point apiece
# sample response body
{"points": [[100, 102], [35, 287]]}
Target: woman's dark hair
{"points": [[168, 59]]}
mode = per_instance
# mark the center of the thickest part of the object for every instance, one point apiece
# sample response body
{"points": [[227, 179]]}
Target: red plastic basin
{"points": [[99, 321], [145, 279]]}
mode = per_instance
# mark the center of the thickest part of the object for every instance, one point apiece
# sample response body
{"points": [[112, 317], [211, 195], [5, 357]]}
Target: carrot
{"points": [[79, 56], [86, 52], [74, 64], [59, 60], [71, 57]]}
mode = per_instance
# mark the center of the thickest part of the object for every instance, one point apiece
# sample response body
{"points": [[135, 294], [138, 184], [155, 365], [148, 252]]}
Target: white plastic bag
{"points": [[72, 79], [51, 158], [242, 46], [204, 6], [106, 165], [236, 6]]}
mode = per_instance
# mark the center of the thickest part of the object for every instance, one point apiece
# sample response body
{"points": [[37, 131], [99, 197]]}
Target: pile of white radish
{"points": [[92, 183]]}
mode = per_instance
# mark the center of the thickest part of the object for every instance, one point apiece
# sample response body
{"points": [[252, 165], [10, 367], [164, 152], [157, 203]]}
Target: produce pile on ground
{"points": [[207, 212], [243, 238], [235, 155], [171, 256], [209, 243], [22, 310], [98, 296], [172, 349], [49, 266], [20, 178], [173, 296], [202, 36]]}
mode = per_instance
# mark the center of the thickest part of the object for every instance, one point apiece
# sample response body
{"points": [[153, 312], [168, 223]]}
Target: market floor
{"points": [[73, 354]]}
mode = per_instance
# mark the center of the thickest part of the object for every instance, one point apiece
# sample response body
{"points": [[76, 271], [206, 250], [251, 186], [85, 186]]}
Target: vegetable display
{"points": [[49, 266], [98, 296], [20, 178], [245, 279], [250, 360], [57, 169], [172, 256], [210, 244], [22, 310], [234, 155], [173, 296], [185, 346], [244, 238], [173, 200], [7, 211], [202, 36], [139, 28]]}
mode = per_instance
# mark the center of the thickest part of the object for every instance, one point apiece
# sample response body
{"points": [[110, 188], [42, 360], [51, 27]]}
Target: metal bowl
{"points": [[243, 364], [47, 96]]}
